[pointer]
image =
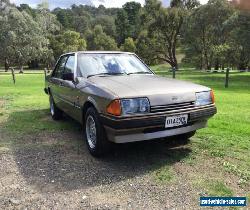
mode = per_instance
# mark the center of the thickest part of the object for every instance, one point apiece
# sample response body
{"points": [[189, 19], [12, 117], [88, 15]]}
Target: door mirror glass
{"points": [[68, 76]]}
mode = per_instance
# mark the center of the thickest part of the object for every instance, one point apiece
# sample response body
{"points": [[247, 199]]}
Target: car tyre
{"points": [[55, 112], [184, 138], [95, 134], [188, 135]]}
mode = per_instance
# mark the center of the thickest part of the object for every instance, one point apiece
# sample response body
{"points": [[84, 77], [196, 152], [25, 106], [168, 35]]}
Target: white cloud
{"points": [[112, 3], [68, 3]]}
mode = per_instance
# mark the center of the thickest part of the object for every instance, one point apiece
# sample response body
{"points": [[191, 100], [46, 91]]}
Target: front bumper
{"points": [[139, 128]]}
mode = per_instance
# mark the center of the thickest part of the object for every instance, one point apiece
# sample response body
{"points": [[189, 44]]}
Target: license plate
{"points": [[176, 121]]}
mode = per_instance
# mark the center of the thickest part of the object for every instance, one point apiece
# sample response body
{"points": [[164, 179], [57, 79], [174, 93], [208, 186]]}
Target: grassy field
{"points": [[219, 161]]}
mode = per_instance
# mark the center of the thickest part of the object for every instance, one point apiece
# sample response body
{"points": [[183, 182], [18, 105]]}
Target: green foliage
{"points": [[188, 4], [214, 35], [128, 22], [220, 36], [122, 26], [129, 45], [239, 39], [144, 47], [68, 41], [132, 10], [21, 37], [98, 40], [107, 23], [163, 30]]}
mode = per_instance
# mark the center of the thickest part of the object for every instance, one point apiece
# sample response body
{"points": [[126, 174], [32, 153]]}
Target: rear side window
{"points": [[69, 67], [60, 67]]}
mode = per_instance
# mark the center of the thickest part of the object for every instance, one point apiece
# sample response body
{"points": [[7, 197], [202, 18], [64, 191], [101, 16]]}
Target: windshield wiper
{"points": [[140, 72], [91, 75]]}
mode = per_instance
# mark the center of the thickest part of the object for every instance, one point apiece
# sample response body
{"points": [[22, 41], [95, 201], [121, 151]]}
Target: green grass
{"points": [[25, 106], [215, 188], [228, 133], [165, 174], [24, 110]]}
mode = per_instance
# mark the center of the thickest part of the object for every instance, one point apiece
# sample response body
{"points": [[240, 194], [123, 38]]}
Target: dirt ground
{"points": [[55, 171]]}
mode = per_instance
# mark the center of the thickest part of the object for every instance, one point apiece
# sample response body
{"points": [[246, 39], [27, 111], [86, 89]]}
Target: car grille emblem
{"points": [[174, 98]]}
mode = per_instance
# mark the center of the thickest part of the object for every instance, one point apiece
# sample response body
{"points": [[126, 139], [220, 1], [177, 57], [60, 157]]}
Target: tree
{"points": [[102, 41], [144, 47], [129, 45], [122, 27], [187, 4], [206, 31], [65, 17], [132, 10], [163, 25], [28, 9], [166, 29], [68, 41], [107, 23], [50, 26], [239, 39], [48, 21], [21, 38]]}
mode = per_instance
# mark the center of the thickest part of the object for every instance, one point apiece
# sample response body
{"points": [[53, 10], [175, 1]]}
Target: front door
{"points": [[57, 82], [69, 91]]}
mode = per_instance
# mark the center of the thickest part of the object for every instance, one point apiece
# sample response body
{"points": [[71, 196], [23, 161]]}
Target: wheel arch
{"points": [[85, 107]]}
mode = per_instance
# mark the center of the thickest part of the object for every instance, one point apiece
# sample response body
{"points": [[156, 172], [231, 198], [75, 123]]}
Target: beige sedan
{"points": [[117, 98]]}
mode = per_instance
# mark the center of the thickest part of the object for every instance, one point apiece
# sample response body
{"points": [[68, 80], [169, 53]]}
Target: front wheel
{"points": [[188, 135], [95, 134], [184, 138]]}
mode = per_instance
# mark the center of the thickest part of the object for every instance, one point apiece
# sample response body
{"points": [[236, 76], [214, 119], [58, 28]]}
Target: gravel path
{"points": [[48, 172]]}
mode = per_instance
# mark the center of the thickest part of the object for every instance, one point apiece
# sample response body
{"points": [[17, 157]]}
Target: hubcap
{"points": [[52, 109], [91, 131]]}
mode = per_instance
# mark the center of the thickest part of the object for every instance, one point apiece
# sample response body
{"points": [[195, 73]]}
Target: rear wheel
{"points": [[55, 112], [95, 134]]}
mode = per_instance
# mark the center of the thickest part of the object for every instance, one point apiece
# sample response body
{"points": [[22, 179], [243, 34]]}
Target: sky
{"points": [[67, 3]]}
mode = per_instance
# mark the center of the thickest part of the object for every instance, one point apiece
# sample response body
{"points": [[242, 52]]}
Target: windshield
{"points": [[109, 64]]}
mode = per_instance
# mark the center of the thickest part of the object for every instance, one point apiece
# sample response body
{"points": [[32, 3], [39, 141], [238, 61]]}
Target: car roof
{"points": [[98, 52]]}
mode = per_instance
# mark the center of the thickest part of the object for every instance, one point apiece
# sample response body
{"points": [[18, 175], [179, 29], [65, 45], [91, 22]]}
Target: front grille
{"points": [[202, 114], [172, 107]]}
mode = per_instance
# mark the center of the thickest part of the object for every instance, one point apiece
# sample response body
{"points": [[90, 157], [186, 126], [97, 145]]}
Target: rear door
{"points": [[57, 82]]}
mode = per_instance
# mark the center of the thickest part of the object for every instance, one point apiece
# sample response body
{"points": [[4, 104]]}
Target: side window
{"points": [[69, 67], [60, 67]]}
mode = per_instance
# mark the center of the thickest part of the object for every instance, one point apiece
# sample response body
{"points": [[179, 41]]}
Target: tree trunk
{"points": [[6, 64], [21, 69], [208, 67], [242, 66], [216, 66], [201, 63]]}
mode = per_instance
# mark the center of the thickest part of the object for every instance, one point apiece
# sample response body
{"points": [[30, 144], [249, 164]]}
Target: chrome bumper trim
{"points": [[155, 135]]}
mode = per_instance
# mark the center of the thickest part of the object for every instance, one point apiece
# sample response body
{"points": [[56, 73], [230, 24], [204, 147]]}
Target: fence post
{"points": [[13, 75], [227, 78], [45, 72], [173, 70]]}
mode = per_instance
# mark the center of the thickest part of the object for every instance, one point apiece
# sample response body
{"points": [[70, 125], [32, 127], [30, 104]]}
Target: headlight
{"points": [[135, 106], [204, 98]]}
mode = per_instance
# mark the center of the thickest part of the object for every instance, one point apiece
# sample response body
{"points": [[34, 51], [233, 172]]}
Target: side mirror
{"points": [[68, 76]]}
